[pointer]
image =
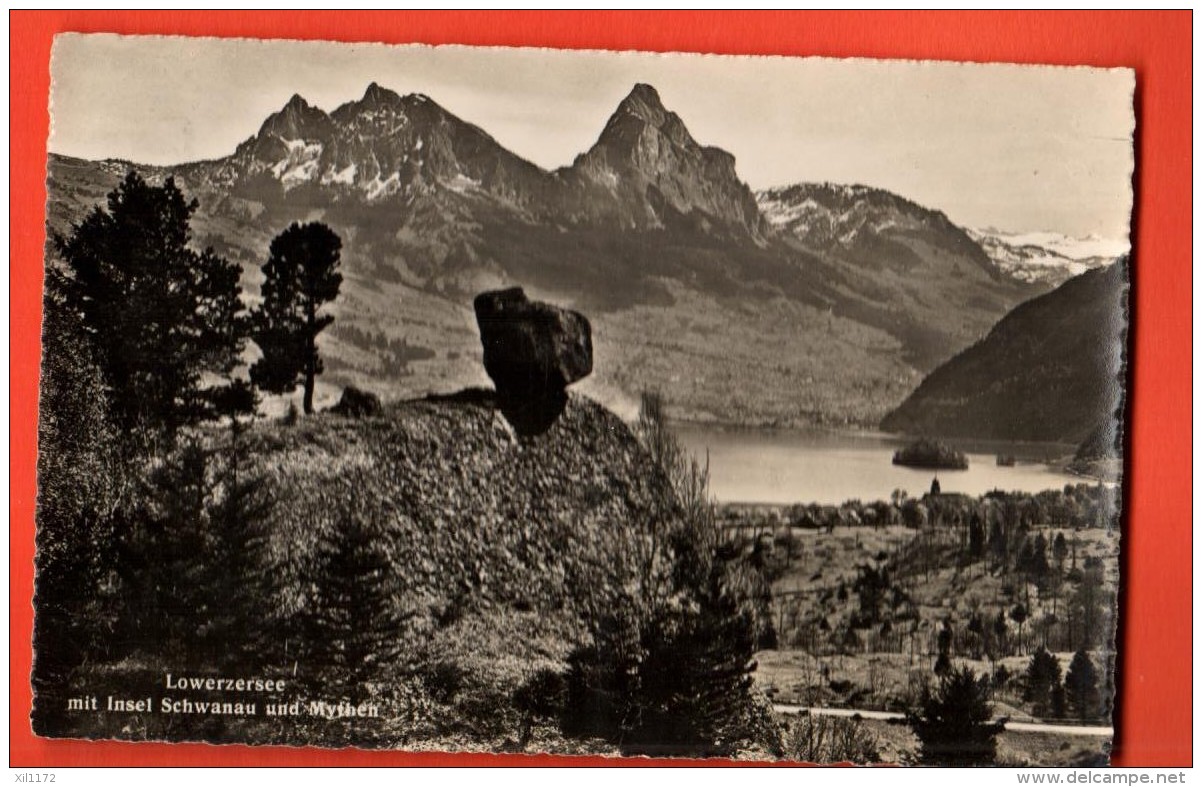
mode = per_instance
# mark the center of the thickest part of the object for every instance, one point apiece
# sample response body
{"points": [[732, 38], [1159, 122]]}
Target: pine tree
{"points": [[954, 724], [165, 555], [1059, 702], [237, 577], [1059, 551], [976, 538], [1088, 607], [354, 619], [695, 678], [1039, 560], [160, 315], [1043, 676], [1081, 687], [998, 545], [300, 276], [1000, 632], [1019, 615]]}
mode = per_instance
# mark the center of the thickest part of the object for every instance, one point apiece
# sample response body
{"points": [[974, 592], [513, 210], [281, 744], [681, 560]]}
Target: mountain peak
{"points": [[298, 119], [640, 117], [644, 94], [643, 102], [647, 155], [377, 95]]}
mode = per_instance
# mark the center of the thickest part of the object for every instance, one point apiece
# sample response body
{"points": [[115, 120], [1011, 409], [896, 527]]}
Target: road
{"points": [[1016, 726]]}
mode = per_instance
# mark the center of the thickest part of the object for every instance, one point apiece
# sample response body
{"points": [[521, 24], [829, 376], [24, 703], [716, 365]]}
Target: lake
{"points": [[820, 466]]}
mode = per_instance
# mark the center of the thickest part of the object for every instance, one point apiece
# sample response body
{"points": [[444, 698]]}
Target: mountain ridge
{"points": [[649, 232], [1049, 371]]}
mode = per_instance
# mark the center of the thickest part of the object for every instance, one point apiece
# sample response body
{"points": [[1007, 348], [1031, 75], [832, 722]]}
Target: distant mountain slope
{"points": [[694, 288], [900, 266], [1049, 371], [1045, 257]]}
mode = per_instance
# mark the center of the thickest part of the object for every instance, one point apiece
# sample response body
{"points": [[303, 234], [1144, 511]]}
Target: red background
{"points": [[1156, 676]]}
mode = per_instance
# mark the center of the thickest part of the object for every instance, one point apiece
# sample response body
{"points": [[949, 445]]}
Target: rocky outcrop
{"points": [[532, 352], [356, 403]]}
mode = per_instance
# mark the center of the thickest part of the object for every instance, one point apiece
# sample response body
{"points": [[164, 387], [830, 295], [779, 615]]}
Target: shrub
{"points": [[540, 698], [829, 739]]}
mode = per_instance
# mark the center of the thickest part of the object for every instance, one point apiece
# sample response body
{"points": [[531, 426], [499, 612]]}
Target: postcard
{"points": [[579, 402]]}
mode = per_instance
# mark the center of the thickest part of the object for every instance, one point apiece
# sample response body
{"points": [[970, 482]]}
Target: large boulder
{"points": [[357, 403], [532, 352]]}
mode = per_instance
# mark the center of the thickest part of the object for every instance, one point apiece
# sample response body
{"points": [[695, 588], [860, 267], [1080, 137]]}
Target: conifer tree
{"points": [[1081, 687], [976, 539], [81, 484], [668, 671], [1001, 632], [943, 664], [695, 678], [165, 553], [237, 576], [1019, 615], [1043, 676], [300, 276], [1087, 608], [160, 315], [953, 723], [1060, 551], [354, 618]]}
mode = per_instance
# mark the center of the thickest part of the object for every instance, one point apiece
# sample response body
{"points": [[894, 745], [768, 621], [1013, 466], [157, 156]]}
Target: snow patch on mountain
{"points": [[300, 163], [376, 188], [345, 176], [1061, 244], [1046, 257], [779, 212], [462, 184], [821, 214]]}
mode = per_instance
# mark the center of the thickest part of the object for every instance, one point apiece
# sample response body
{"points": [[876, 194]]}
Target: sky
{"points": [[1019, 148]]}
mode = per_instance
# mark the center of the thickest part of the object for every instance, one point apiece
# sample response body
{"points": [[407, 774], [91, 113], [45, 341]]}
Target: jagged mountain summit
{"points": [[647, 159], [834, 299], [644, 172], [855, 219], [383, 145]]}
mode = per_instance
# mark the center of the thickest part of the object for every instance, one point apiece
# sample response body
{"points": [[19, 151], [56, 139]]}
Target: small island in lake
{"points": [[931, 454]]}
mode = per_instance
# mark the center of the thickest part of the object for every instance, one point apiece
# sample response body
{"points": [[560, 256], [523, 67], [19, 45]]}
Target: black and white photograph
{"points": [[515, 400]]}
